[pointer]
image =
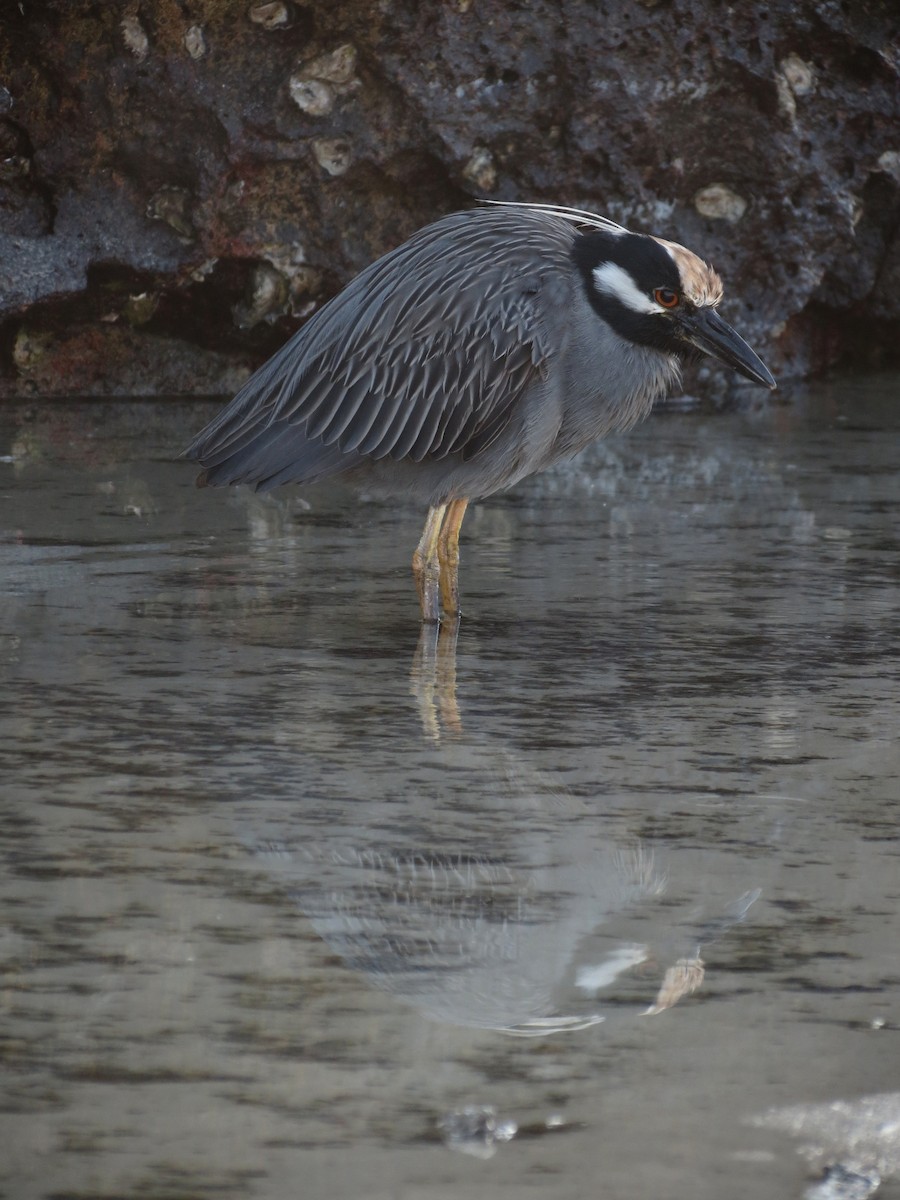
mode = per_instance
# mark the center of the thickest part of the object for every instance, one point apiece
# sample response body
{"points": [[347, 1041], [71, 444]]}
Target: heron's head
{"points": [[658, 294]]}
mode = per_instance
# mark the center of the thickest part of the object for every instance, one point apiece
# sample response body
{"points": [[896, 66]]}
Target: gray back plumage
{"points": [[423, 355]]}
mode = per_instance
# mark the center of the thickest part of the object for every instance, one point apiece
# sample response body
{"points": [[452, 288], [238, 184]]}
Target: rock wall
{"points": [[182, 183]]}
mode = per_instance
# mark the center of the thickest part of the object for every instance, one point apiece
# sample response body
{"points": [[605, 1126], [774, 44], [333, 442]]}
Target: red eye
{"points": [[666, 297]]}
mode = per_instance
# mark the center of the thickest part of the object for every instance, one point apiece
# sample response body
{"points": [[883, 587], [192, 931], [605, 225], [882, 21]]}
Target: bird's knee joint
{"points": [[448, 553]]}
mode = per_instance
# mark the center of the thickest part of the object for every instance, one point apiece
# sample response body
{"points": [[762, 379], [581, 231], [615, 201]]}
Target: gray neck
{"points": [[611, 384]]}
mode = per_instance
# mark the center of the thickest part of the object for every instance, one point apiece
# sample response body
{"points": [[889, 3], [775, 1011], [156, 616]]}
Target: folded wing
{"points": [[423, 355]]}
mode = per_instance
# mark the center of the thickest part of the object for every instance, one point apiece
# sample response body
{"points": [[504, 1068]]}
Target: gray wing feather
{"points": [[423, 355]]}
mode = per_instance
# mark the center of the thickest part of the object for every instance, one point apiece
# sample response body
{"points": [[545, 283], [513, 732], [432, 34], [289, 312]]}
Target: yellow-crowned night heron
{"points": [[490, 345]]}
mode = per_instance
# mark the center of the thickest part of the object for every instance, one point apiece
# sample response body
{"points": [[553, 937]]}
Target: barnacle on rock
{"points": [[195, 42], [172, 205], [720, 203], [338, 66], [266, 297], [135, 36], [799, 75], [140, 307], [481, 169], [313, 96], [273, 15], [333, 155], [29, 348], [316, 83]]}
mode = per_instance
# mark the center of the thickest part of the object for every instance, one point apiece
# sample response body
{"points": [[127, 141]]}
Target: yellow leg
{"points": [[426, 565], [448, 556]]}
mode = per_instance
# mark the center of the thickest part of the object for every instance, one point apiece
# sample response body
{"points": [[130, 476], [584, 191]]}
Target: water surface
{"points": [[602, 900]]}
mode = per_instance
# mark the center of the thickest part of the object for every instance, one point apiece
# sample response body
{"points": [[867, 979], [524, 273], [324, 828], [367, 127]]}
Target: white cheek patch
{"points": [[615, 281]]}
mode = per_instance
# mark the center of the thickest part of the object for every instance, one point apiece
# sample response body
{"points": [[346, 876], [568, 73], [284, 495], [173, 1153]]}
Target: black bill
{"points": [[706, 330]]}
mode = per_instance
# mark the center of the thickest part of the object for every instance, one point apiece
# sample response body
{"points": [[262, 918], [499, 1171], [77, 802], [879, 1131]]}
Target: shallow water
{"points": [[604, 902]]}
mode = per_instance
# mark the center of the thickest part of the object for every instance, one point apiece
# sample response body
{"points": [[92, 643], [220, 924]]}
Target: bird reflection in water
{"points": [[464, 883], [510, 906]]}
